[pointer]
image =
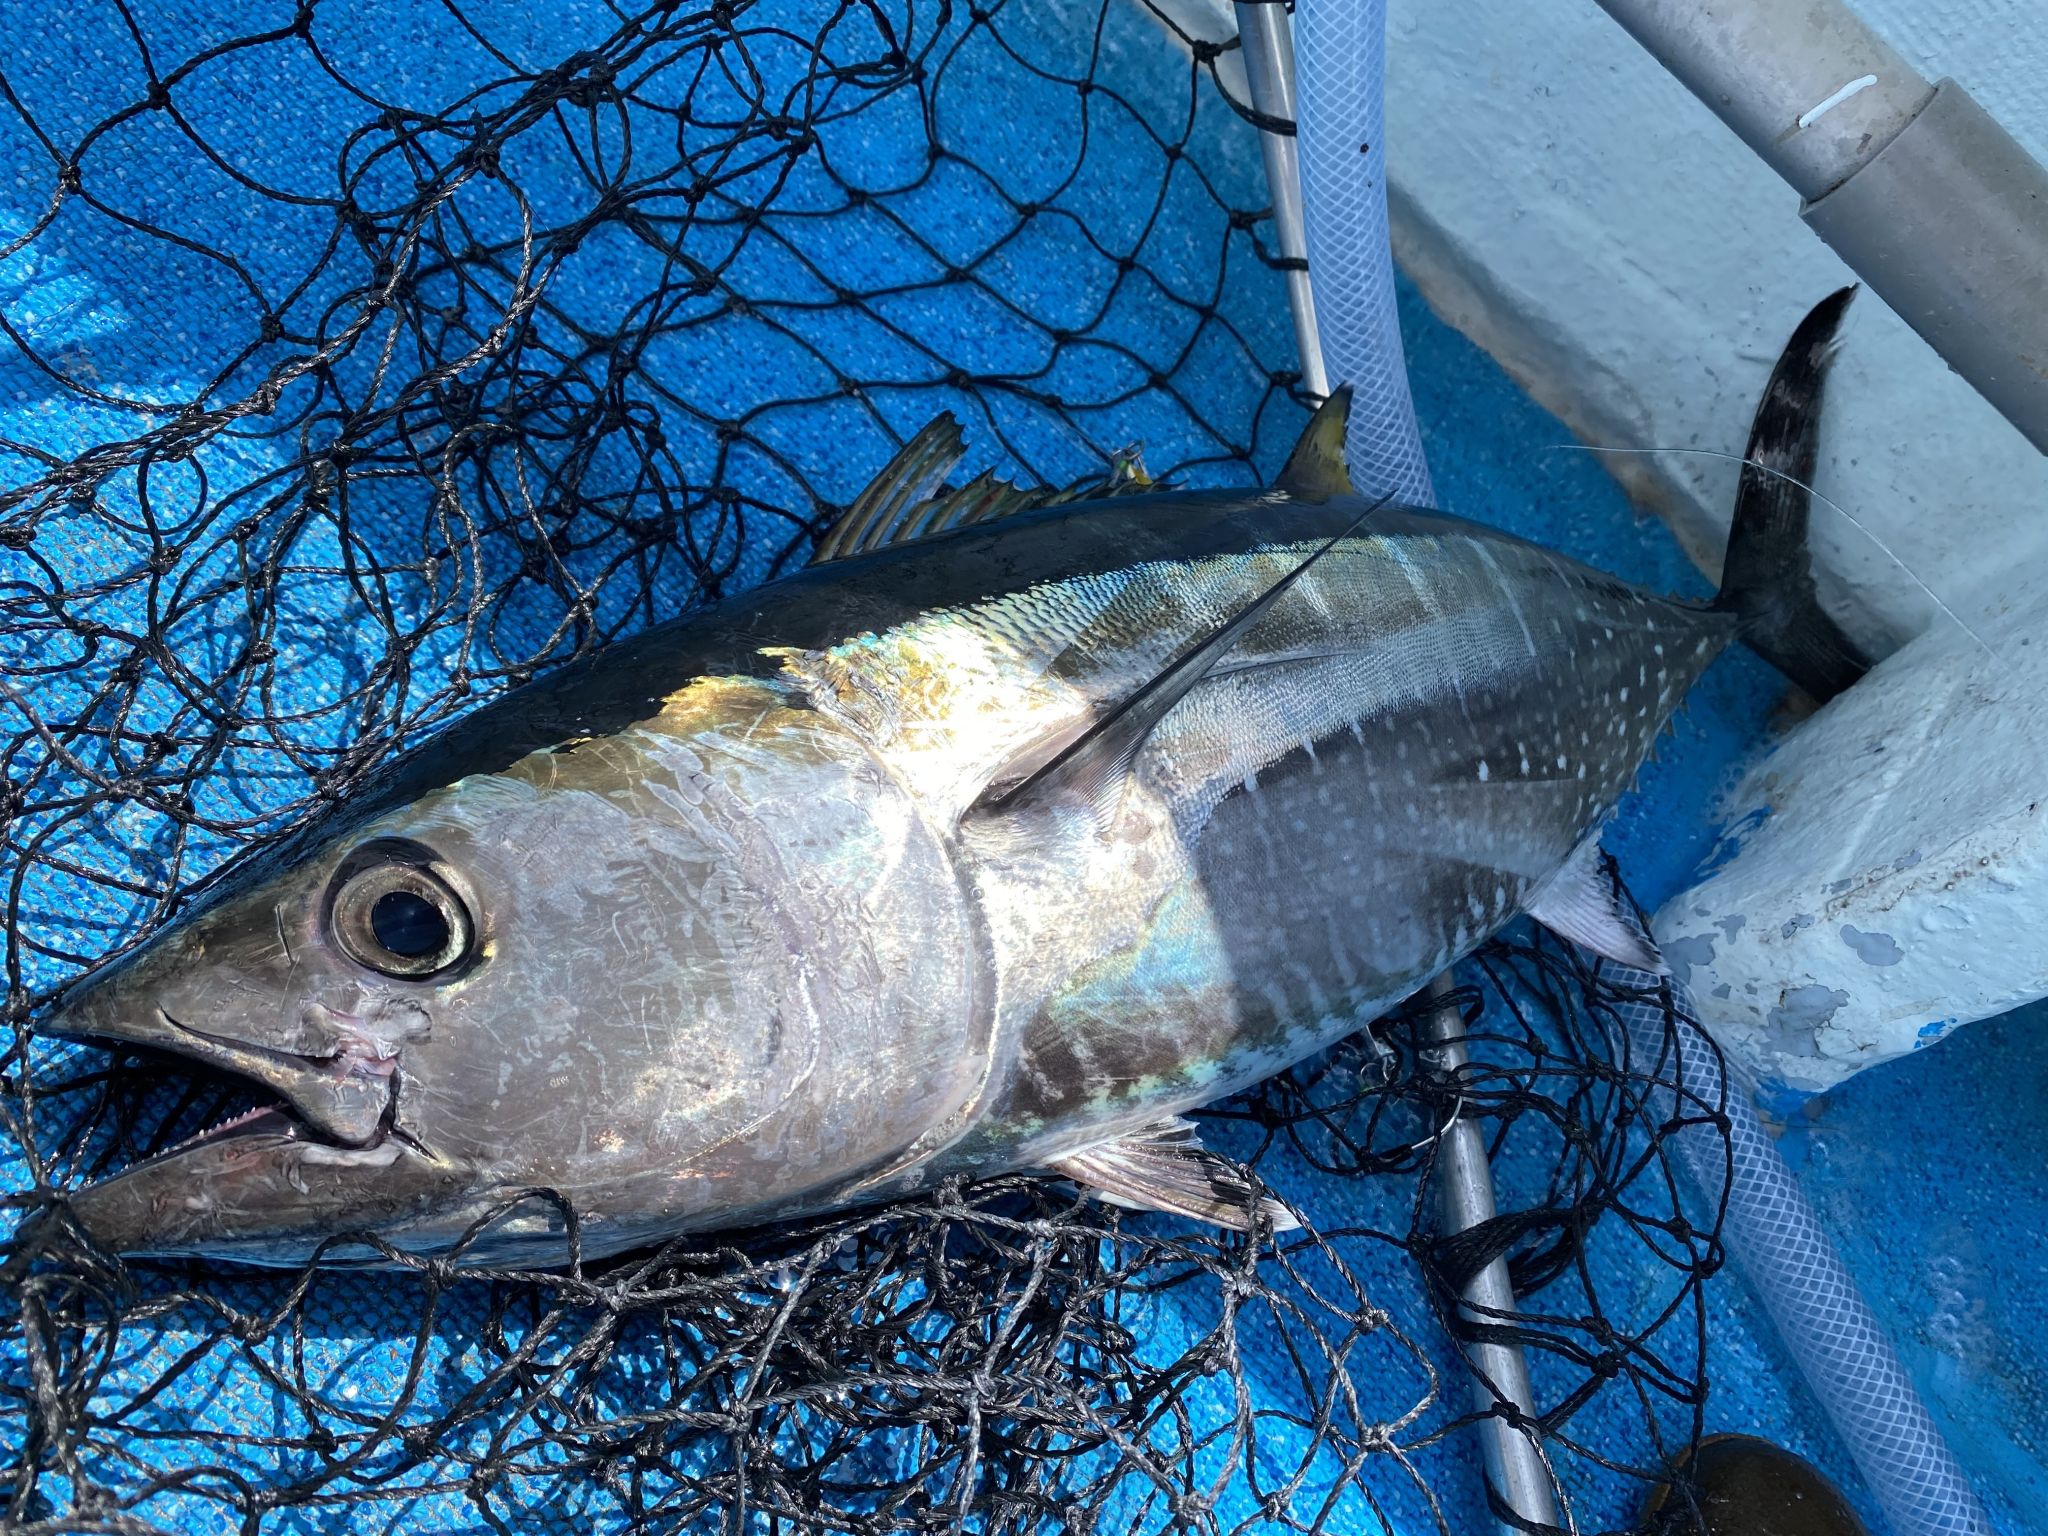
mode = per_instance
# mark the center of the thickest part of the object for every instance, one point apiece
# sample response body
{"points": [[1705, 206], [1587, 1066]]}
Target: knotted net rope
{"points": [[361, 362]]}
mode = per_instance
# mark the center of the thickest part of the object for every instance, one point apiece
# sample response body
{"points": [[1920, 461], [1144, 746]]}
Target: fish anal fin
{"points": [[1317, 468], [1165, 1167], [1583, 903]]}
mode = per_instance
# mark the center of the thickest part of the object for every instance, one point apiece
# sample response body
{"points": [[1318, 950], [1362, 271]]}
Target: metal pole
{"points": [[1268, 46], [1804, 83], [1464, 1192], [1915, 186], [1514, 1465]]}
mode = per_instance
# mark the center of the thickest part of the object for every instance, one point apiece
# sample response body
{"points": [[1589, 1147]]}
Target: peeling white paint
{"points": [[1891, 861]]}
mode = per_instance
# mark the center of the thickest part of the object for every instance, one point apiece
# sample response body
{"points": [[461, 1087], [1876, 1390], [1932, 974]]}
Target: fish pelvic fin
{"points": [[1096, 764], [908, 501], [1584, 902], [1767, 577], [1165, 1167], [1317, 469]]}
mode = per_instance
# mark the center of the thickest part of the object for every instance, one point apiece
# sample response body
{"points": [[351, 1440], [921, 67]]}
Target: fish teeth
{"points": [[228, 1124]]}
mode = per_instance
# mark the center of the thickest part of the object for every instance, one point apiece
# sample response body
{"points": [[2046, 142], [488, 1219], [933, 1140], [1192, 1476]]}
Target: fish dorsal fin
{"points": [[906, 501], [1583, 903], [919, 468], [1094, 764], [1317, 469], [1165, 1167]]}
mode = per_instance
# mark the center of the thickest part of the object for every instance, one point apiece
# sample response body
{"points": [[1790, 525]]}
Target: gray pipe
{"points": [[1766, 66], [1262, 34], [1950, 226], [1915, 186], [1500, 1372]]}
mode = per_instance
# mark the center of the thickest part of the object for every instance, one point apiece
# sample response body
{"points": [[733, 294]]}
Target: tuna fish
{"points": [[1002, 835]]}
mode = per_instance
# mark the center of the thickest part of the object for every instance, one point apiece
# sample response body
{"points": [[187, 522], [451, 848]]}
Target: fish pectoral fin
{"points": [[1095, 764], [1165, 1167], [1583, 902]]}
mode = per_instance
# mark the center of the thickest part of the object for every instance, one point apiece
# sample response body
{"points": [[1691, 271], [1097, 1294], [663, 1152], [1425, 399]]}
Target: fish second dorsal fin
{"points": [[919, 468], [906, 501], [1165, 1167], [1318, 469]]}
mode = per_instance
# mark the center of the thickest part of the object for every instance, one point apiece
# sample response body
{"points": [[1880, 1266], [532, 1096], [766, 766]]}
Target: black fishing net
{"points": [[362, 362]]}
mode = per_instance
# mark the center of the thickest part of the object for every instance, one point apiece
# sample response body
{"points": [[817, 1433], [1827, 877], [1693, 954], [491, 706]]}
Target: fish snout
{"points": [[334, 1071]]}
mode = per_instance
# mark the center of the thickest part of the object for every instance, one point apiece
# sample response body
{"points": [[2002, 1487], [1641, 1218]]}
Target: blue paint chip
{"points": [[1872, 948], [1732, 837]]}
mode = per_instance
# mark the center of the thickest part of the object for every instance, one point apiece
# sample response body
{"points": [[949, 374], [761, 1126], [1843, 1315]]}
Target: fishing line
{"points": [[1778, 474]]}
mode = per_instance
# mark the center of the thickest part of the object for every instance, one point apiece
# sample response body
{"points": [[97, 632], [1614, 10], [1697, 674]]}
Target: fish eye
{"points": [[400, 919]]}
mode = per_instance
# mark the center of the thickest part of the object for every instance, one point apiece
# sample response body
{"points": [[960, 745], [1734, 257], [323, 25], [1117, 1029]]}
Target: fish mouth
{"points": [[346, 1095], [268, 1120], [314, 1136], [345, 1098], [320, 1151], [284, 1119]]}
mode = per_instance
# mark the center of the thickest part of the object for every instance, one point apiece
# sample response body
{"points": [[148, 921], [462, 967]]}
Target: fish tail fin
{"points": [[1767, 578]]}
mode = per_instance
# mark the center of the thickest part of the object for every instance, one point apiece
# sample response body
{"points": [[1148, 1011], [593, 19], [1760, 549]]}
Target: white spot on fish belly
{"points": [[1484, 771]]}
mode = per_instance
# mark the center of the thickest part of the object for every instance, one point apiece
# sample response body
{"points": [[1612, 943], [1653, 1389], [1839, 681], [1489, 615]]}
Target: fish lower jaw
{"points": [[275, 1122]]}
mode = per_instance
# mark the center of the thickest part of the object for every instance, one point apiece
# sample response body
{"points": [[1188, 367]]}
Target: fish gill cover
{"points": [[361, 361]]}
